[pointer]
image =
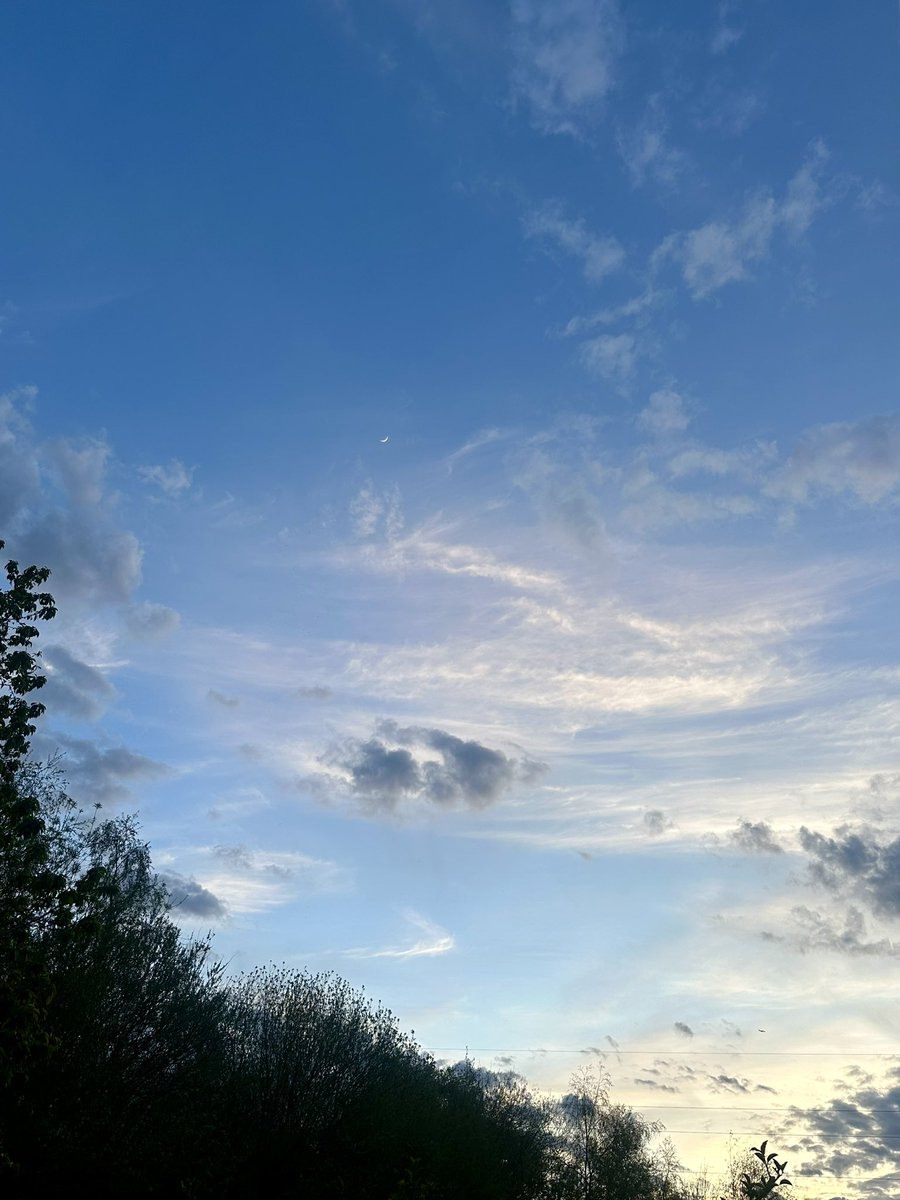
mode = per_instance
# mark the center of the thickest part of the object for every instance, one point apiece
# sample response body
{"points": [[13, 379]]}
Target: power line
{"points": [[583, 1050], [760, 1108], [804, 1133]]}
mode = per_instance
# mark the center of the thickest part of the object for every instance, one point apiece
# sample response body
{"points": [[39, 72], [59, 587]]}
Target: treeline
{"points": [[131, 1065]]}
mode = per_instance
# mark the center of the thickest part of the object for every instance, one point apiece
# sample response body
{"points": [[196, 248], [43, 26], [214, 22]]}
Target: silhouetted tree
{"points": [[106, 1012], [604, 1149], [28, 886]]}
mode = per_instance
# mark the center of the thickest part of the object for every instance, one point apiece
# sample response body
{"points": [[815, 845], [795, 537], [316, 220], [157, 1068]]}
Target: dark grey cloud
{"points": [[384, 772], [235, 856], [681, 1027], [73, 687], [148, 621], [858, 861], [89, 558], [191, 898], [220, 698], [857, 1135], [755, 837], [317, 692], [656, 821], [56, 511], [94, 774], [735, 1085], [657, 1086], [379, 773]]}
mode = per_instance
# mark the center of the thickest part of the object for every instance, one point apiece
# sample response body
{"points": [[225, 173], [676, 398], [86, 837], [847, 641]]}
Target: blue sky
{"points": [[465, 439]]}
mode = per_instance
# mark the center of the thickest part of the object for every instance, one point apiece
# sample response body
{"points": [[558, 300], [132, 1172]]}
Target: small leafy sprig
{"points": [[758, 1189]]}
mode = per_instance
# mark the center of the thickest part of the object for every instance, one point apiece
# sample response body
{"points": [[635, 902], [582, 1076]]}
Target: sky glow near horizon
{"points": [[465, 440]]}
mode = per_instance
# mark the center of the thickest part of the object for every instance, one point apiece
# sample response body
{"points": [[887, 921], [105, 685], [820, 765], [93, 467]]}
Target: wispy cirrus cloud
{"points": [[637, 307], [246, 880], [612, 356], [565, 54], [427, 548], [645, 149], [372, 511], [431, 941], [726, 251], [856, 458], [598, 255], [727, 32], [171, 478]]}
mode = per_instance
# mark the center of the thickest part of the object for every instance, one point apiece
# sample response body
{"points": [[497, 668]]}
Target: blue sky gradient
{"points": [[465, 440]]}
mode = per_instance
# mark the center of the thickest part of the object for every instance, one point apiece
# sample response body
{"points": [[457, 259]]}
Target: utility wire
{"points": [[805, 1133], [831, 1108], [670, 1053]]}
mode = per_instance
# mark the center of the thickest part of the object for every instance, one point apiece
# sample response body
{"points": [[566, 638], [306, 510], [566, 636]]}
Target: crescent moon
{"points": [[385, 439]]}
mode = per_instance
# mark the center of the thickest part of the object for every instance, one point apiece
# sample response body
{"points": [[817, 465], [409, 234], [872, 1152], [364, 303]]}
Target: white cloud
{"points": [[148, 621], [722, 252], [637, 306], [564, 499], [564, 58], [726, 33], [599, 256], [172, 479], [805, 196], [731, 111], [433, 941], [249, 880], [664, 414], [81, 468], [645, 151], [371, 510], [426, 550], [654, 507], [484, 438], [860, 458], [611, 356], [748, 463]]}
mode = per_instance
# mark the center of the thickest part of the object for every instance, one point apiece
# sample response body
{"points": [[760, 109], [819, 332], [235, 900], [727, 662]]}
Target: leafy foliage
{"points": [[758, 1189]]}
